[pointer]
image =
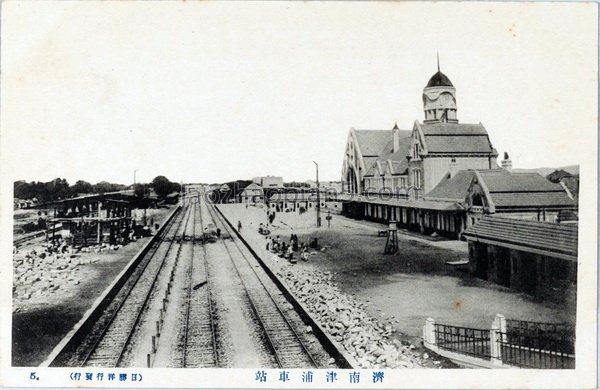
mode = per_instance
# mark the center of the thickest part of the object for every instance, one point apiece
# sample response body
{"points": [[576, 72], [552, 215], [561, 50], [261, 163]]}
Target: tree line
{"points": [[60, 188]]}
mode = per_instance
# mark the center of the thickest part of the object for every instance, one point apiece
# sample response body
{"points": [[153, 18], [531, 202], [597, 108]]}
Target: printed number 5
{"points": [[34, 377]]}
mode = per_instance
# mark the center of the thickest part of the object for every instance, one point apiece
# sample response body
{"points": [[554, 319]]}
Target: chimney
{"points": [[506, 162], [396, 138], [453, 167]]}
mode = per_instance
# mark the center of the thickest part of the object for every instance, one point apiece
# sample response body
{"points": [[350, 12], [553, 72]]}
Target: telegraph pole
{"points": [[318, 197]]}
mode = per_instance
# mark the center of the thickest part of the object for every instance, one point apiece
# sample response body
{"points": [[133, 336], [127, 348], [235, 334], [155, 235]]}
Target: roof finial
{"points": [[438, 60]]}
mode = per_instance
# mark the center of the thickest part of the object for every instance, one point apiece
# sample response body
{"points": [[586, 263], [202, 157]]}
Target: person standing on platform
{"points": [[240, 226]]}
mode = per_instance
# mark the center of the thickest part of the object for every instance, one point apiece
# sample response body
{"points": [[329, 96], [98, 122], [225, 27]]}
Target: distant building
{"points": [[269, 181], [292, 201], [24, 203], [326, 185], [252, 194]]}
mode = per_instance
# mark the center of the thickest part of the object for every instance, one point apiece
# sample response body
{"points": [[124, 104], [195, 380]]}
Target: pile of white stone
{"points": [[38, 274], [345, 319]]}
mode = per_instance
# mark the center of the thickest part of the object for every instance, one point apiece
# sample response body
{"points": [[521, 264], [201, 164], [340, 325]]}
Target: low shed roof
{"points": [[548, 239], [415, 204]]}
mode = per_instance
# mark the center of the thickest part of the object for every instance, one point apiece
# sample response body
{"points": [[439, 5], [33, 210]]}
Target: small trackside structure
{"points": [[538, 258], [94, 219]]}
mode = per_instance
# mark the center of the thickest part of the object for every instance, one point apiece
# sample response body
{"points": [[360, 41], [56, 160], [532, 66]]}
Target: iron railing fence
{"points": [[533, 352], [470, 341], [558, 337]]}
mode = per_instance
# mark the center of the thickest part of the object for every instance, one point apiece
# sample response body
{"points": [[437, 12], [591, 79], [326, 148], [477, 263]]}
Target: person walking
{"points": [[240, 226]]}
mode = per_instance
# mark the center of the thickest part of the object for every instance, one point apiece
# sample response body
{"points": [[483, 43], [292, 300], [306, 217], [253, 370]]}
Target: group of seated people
{"points": [[285, 250], [263, 229]]}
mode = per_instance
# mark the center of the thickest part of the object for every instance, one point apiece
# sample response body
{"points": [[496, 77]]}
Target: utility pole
{"points": [[54, 214], [318, 197], [181, 193]]}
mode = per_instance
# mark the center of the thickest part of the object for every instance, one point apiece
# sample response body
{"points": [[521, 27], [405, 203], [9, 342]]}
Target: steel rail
{"points": [[127, 296], [269, 337], [209, 304], [156, 245], [152, 285]]}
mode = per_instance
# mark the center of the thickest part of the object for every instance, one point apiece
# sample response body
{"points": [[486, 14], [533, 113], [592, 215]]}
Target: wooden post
{"points": [[153, 348], [98, 219], [148, 358]]}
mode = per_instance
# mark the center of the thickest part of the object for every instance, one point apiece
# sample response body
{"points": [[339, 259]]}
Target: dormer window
{"points": [[416, 151]]}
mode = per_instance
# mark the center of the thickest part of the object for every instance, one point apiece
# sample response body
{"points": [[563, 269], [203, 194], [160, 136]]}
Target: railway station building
{"points": [[442, 176]]}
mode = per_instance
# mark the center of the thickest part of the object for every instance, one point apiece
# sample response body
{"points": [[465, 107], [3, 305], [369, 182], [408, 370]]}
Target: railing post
{"points": [[429, 332], [500, 324], [495, 346]]}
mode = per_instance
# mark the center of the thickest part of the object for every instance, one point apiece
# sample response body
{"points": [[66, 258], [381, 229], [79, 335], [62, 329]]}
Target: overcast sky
{"points": [[202, 91]]}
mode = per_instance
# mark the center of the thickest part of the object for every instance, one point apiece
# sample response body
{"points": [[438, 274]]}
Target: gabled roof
{"points": [[447, 128], [501, 180], [399, 167], [455, 188], [398, 159], [373, 169], [532, 199], [543, 238], [453, 138], [372, 142], [417, 204], [506, 189], [509, 189], [458, 144], [253, 187]]}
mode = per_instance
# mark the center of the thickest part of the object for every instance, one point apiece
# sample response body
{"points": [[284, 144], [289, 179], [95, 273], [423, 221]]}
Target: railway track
{"points": [[78, 352], [22, 240], [200, 345], [287, 347], [120, 331], [109, 349]]}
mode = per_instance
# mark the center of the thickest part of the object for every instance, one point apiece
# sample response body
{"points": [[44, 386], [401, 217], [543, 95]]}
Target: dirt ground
{"points": [[408, 287], [52, 294], [24, 216]]}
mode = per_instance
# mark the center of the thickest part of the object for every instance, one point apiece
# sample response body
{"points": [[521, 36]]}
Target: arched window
{"points": [[417, 178]]}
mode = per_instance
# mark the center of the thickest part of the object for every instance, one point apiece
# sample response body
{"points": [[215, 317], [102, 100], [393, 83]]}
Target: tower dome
{"points": [[439, 80], [439, 99]]}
